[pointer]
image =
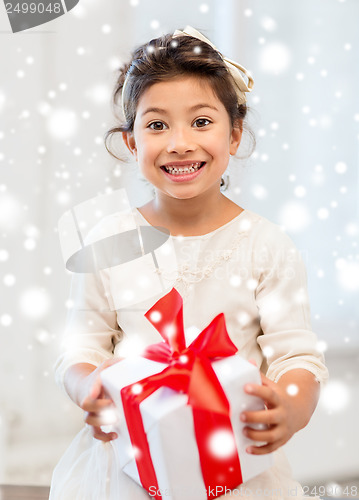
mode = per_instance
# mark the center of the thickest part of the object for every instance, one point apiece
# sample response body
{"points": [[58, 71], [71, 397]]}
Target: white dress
{"points": [[250, 270]]}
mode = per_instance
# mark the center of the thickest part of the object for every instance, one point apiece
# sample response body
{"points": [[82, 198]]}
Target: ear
{"points": [[129, 140], [236, 136]]}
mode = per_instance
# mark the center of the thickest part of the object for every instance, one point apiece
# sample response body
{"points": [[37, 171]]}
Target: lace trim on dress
{"points": [[184, 277]]}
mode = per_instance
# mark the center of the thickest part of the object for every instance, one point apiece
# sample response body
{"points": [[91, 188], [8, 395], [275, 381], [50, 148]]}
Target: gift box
{"points": [[179, 431]]}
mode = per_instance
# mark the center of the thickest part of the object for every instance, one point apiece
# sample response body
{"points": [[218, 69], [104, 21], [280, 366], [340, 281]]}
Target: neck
{"points": [[190, 216]]}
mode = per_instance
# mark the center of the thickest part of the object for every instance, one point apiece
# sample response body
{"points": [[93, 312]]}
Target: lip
{"points": [[184, 177]]}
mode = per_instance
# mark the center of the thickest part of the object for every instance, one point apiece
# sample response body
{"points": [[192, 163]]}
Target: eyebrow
{"points": [[193, 108]]}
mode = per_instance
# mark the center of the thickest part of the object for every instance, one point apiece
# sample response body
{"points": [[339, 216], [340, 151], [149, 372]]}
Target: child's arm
{"points": [[290, 404], [82, 382]]}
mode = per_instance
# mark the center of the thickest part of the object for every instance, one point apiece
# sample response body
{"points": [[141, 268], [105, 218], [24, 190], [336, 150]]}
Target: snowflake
{"points": [[29, 244], [2, 100], [35, 303], [292, 389], [222, 444], [62, 124], [335, 396], [136, 389], [294, 216], [9, 280], [6, 320], [235, 280], [322, 346], [243, 318], [275, 58], [300, 191], [323, 213], [269, 24], [4, 255], [155, 24], [348, 274], [259, 192], [99, 94], [268, 351], [204, 8], [341, 167], [43, 337], [10, 212], [106, 29], [352, 229], [108, 416], [155, 316]]}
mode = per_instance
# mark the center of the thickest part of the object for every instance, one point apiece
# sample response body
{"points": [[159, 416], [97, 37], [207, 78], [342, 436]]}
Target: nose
{"points": [[180, 141]]}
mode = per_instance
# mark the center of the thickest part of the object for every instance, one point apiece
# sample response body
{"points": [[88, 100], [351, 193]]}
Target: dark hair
{"points": [[167, 57]]}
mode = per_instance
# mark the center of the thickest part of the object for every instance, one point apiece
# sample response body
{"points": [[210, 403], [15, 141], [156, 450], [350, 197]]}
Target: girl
{"points": [[184, 106]]}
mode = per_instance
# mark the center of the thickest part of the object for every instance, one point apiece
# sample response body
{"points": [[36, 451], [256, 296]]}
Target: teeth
{"points": [[183, 170]]}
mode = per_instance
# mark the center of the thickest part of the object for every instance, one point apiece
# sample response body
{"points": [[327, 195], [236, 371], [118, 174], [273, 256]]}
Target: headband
{"points": [[233, 67]]}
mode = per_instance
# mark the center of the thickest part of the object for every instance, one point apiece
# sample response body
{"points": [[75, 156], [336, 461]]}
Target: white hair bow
{"points": [[233, 67]]}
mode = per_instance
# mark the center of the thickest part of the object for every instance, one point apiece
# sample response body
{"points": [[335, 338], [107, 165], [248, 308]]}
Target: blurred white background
{"points": [[55, 87]]}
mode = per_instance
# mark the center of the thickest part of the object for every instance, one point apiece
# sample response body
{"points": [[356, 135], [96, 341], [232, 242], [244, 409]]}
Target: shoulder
{"points": [[264, 232], [269, 245], [110, 225]]}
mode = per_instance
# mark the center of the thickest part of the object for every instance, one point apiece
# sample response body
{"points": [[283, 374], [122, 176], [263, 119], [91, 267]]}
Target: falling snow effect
{"points": [[335, 396], [275, 58], [62, 124], [34, 303], [222, 444]]}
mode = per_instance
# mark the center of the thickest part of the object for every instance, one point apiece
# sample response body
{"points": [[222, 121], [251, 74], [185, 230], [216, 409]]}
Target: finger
{"points": [[96, 420], [98, 433], [110, 362], [264, 436], [263, 450], [96, 389], [267, 417], [105, 417], [267, 381], [95, 405], [252, 361], [264, 392]]}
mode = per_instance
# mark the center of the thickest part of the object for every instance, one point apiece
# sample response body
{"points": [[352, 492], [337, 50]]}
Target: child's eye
{"points": [[157, 126], [201, 122]]}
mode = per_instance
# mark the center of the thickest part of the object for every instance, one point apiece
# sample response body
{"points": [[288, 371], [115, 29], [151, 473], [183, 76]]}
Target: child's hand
{"points": [[99, 409], [287, 410]]}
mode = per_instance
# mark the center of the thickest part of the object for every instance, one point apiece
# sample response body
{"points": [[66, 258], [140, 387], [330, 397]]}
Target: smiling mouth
{"points": [[188, 169]]}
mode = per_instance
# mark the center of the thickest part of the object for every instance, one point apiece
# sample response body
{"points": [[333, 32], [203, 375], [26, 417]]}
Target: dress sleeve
{"points": [[287, 340], [91, 329]]}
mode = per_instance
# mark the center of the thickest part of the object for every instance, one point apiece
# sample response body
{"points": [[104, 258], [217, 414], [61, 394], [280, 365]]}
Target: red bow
{"points": [[189, 371]]}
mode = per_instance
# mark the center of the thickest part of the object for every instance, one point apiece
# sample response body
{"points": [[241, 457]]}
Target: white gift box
{"points": [[168, 423]]}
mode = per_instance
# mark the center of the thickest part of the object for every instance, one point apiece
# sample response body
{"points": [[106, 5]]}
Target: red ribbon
{"points": [[189, 372]]}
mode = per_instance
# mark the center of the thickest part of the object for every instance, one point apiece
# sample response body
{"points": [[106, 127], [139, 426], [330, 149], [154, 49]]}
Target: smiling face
{"points": [[182, 137]]}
